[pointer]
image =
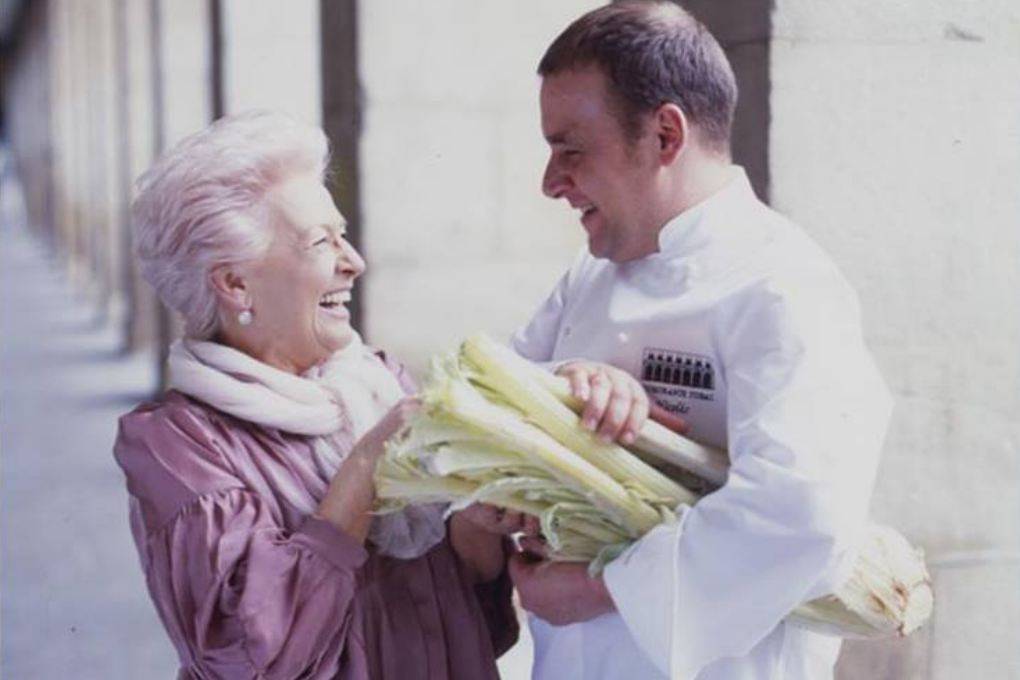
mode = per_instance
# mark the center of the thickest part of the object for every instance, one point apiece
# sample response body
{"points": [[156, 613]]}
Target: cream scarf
{"points": [[350, 392]]}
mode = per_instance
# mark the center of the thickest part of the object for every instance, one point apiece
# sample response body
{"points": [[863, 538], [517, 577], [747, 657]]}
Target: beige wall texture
{"points": [[271, 57], [458, 236], [895, 140]]}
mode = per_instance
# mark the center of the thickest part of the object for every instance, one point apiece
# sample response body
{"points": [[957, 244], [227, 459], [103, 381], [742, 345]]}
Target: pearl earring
{"points": [[244, 317]]}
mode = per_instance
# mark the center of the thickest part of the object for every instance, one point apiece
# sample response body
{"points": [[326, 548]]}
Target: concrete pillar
{"points": [[744, 29], [78, 150], [25, 90], [138, 149], [109, 194], [181, 84], [63, 127], [342, 116]]}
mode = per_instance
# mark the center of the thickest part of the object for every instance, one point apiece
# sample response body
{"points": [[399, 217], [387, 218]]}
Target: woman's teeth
{"points": [[335, 298]]}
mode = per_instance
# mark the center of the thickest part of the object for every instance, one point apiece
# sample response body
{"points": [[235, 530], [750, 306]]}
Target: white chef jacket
{"points": [[745, 328]]}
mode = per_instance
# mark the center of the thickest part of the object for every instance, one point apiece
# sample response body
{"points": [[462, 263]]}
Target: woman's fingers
{"points": [[501, 520], [511, 522], [532, 526], [532, 545]]}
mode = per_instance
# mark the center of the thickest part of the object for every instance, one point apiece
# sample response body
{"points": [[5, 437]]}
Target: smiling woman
{"points": [[297, 290], [251, 478]]}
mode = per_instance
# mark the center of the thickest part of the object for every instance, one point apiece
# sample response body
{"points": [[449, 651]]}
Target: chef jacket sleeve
{"points": [[807, 413], [537, 340]]}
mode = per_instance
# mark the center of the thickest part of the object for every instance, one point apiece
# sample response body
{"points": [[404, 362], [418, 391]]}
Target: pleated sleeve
{"points": [[241, 594]]}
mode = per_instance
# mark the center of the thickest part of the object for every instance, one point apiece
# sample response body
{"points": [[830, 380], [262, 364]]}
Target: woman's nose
{"points": [[350, 261]]}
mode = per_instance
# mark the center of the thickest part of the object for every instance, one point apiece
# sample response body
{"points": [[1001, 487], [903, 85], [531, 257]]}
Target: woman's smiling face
{"points": [[300, 288]]}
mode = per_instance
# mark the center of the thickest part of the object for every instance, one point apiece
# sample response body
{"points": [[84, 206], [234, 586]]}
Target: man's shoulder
{"points": [[790, 258]]}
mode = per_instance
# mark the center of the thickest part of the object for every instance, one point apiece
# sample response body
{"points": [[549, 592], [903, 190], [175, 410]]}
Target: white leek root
{"points": [[497, 429]]}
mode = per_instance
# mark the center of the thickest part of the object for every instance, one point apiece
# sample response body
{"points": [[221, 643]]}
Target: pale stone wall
{"points": [[895, 141], [186, 96], [456, 231], [271, 57]]}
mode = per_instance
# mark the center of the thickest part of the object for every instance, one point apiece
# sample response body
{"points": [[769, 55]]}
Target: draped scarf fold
{"points": [[347, 394]]}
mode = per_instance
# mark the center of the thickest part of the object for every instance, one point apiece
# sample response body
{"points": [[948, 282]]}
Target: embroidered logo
{"points": [[679, 369]]}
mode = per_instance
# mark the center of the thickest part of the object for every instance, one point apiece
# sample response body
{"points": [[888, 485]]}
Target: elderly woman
{"points": [[251, 478]]}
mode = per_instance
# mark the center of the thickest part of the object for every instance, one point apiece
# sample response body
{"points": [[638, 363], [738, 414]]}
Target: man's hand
{"points": [[616, 405], [559, 592]]}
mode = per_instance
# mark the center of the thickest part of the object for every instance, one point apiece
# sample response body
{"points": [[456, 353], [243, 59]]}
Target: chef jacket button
{"points": [[566, 332], [622, 338]]}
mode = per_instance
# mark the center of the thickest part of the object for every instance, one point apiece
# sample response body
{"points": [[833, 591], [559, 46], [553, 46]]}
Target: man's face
{"points": [[596, 168]]}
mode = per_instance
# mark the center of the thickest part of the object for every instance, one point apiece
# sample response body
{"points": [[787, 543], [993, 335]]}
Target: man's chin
{"points": [[600, 250]]}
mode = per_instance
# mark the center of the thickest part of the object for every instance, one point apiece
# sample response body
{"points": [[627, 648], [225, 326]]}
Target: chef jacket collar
{"points": [[681, 234], [703, 242]]}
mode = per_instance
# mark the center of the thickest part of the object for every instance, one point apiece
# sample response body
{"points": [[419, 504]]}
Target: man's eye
{"points": [[322, 241]]}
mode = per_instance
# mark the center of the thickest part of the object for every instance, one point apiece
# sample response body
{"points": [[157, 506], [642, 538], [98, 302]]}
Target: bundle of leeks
{"points": [[496, 429]]}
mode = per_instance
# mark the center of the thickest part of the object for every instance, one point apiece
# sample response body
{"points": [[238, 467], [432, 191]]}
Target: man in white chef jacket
{"points": [[730, 318]]}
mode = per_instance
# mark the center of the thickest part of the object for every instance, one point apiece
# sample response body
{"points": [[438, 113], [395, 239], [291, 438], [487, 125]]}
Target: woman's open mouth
{"points": [[333, 303]]}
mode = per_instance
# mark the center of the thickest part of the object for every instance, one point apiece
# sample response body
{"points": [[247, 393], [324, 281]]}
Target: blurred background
{"points": [[889, 130]]}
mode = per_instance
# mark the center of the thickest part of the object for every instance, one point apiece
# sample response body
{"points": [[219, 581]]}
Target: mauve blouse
{"points": [[248, 587]]}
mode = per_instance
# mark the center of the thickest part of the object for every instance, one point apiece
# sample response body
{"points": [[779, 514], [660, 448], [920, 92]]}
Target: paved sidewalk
{"points": [[74, 603]]}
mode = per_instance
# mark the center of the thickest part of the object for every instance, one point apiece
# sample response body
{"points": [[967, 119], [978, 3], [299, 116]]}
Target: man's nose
{"points": [[554, 181]]}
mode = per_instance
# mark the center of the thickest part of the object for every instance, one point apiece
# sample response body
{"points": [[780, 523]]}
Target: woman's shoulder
{"points": [[176, 441], [170, 414]]}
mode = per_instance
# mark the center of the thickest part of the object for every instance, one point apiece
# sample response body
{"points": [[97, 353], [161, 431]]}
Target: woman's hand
{"points": [[476, 534], [496, 520], [351, 493], [373, 443], [616, 405]]}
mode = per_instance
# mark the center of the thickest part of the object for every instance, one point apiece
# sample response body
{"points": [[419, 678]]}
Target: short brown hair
{"points": [[653, 53]]}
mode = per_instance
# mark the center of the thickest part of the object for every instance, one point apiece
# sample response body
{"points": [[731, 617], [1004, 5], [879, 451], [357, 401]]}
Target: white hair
{"points": [[201, 205]]}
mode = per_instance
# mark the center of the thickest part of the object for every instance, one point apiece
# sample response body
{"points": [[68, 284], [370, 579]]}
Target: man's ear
{"points": [[673, 132], [230, 287]]}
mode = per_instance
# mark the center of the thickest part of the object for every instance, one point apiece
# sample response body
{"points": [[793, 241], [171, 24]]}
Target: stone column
{"points": [[63, 128], [181, 81], [137, 151], [342, 116]]}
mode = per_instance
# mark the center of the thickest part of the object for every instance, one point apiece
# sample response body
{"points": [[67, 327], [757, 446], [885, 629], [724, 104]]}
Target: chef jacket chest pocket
{"points": [[687, 384]]}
